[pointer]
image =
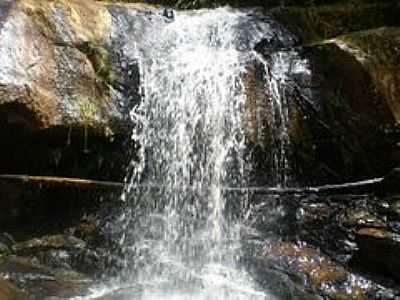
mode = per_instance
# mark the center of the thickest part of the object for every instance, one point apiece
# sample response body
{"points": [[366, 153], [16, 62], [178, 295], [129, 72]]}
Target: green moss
{"points": [[381, 46], [99, 58], [324, 22]]}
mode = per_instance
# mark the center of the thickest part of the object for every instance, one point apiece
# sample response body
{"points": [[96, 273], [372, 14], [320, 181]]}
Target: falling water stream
{"points": [[182, 240]]}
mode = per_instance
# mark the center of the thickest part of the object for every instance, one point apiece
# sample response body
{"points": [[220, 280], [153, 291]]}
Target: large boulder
{"points": [[54, 65], [319, 22], [379, 249], [62, 95], [39, 281], [348, 129], [308, 265]]}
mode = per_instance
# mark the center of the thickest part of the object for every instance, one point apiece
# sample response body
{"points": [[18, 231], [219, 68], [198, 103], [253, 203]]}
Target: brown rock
{"points": [[40, 281], [379, 249], [319, 269], [320, 272], [8, 291], [350, 128], [49, 242], [316, 23], [55, 77]]}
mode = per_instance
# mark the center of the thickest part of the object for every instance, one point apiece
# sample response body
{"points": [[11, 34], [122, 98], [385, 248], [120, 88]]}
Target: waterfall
{"points": [[281, 69], [179, 239]]}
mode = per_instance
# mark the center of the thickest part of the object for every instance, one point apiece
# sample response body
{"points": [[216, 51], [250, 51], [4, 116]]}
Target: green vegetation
{"points": [[98, 56]]}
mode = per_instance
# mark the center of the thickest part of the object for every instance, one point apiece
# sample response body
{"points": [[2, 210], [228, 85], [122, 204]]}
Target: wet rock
{"points": [[285, 286], [308, 266], [88, 228], [315, 214], [58, 99], [359, 218], [63, 252], [379, 249], [59, 93], [7, 239], [341, 101], [6, 244], [41, 282], [8, 291], [390, 183], [312, 268], [347, 127], [61, 74], [321, 22], [49, 242], [30, 83], [307, 261], [395, 209], [15, 264], [4, 250], [327, 222]]}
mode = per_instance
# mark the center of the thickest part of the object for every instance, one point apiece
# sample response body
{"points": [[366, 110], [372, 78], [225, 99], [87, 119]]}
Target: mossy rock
{"points": [[321, 22], [349, 131]]}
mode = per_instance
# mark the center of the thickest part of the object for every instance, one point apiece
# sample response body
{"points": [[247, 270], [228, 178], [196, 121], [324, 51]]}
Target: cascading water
{"points": [[180, 240], [281, 69]]}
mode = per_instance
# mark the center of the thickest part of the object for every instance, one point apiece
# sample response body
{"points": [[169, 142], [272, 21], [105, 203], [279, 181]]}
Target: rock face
{"points": [[66, 85], [342, 115], [320, 22], [357, 119], [54, 63], [63, 101], [57, 91], [344, 123]]}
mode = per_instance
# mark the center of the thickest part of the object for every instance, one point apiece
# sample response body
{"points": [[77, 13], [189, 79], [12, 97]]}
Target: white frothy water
{"points": [[189, 126], [180, 241]]}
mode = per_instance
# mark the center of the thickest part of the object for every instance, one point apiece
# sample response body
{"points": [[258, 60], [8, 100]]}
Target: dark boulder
{"points": [[391, 183], [379, 250]]}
